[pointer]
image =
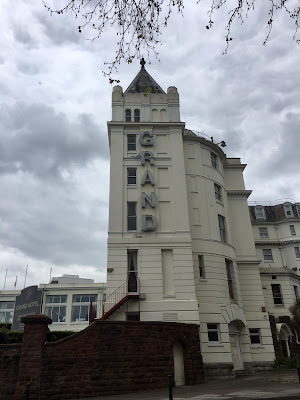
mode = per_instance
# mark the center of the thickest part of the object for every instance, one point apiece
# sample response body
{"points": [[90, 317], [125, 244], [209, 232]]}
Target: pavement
{"points": [[278, 384]]}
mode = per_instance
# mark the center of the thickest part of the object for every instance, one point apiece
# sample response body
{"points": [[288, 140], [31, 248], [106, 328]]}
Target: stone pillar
{"points": [[34, 337]]}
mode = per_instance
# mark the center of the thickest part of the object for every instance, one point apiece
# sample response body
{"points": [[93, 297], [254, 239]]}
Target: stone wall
{"points": [[105, 358], [9, 367]]}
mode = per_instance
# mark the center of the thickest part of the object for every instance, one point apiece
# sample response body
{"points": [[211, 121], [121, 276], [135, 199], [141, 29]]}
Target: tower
{"points": [[180, 242], [149, 237]]}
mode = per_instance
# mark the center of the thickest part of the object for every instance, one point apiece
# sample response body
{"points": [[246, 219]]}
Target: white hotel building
{"points": [[182, 245]]}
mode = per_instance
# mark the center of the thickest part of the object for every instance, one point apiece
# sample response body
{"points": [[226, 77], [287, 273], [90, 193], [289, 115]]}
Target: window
{"points": [[213, 332], [218, 192], [131, 215], [298, 209], [297, 252], [222, 228], [127, 115], [260, 212], [201, 267], [296, 291], [288, 211], [6, 311], [263, 232], [214, 160], [56, 306], [131, 176], [277, 297], [229, 266], [255, 336], [131, 143], [136, 115], [292, 230], [81, 307], [267, 254]]}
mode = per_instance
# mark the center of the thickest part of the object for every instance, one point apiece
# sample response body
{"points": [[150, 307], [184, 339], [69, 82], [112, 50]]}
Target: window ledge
{"points": [[215, 344], [219, 202], [169, 296], [279, 305], [256, 346], [203, 280], [131, 186]]}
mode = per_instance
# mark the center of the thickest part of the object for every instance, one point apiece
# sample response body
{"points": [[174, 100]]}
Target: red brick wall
{"points": [[118, 357], [9, 366]]}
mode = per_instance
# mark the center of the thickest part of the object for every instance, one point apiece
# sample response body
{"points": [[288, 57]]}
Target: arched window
{"points": [[128, 115], [137, 115]]}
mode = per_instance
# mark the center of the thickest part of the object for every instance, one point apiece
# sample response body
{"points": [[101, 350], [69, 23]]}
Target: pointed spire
{"points": [[143, 82]]}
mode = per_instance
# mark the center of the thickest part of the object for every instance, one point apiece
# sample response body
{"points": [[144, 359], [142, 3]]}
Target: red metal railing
{"points": [[118, 297]]}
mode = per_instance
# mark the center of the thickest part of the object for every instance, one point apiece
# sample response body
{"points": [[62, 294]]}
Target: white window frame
{"points": [[297, 252], [222, 228], [292, 230], [214, 160], [263, 232], [229, 268], [268, 256], [201, 267], [131, 216], [255, 333], [137, 115], [213, 328], [277, 297], [131, 176], [86, 303], [260, 212], [128, 115], [218, 192], [298, 209], [288, 210], [7, 311], [131, 143], [296, 291], [60, 303]]}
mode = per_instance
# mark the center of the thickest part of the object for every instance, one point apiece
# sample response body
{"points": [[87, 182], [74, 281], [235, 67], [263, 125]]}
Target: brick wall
{"points": [[118, 357], [9, 366], [105, 358]]}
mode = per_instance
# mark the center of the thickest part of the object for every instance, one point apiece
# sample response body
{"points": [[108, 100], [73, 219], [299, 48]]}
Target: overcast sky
{"points": [[55, 103]]}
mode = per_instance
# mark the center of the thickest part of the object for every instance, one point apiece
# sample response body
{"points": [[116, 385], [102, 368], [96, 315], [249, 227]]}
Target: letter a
{"points": [[147, 178]]}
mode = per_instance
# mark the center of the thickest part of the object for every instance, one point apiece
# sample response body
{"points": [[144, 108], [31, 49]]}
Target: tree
{"points": [[295, 311], [139, 23]]}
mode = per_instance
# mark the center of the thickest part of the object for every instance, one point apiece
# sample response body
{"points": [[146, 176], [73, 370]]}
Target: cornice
{"points": [[239, 192], [235, 166]]}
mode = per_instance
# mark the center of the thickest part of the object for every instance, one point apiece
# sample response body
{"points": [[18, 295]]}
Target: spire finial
{"points": [[143, 62]]}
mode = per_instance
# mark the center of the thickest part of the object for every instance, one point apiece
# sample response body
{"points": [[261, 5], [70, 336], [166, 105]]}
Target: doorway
{"points": [[179, 376]]}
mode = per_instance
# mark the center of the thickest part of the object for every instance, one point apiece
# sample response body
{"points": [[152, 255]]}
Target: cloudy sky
{"points": [[55, 102]]}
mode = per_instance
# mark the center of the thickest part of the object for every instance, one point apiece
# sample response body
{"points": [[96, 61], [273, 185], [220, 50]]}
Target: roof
{"points": [[144, 82]]}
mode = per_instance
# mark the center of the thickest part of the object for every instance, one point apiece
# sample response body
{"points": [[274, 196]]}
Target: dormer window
{"points": [[128, 115], [288, 211], [260, 212], [137, 115]]}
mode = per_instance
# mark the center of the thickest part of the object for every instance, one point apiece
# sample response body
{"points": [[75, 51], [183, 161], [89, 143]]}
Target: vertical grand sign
{"points": [[28, 302], [148, 221]]}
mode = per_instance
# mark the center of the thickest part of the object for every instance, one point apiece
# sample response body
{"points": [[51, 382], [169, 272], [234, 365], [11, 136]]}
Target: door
{"points": [[179, 377], [236, 352]]}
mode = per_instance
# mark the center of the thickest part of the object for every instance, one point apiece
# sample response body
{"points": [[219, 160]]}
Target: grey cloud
{"points": [[36, 139], [28, 68], [23, 36]]}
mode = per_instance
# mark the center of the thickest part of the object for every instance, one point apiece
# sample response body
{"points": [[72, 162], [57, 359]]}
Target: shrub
{"points": [[5, 325], [8, 336], [287, 362]]}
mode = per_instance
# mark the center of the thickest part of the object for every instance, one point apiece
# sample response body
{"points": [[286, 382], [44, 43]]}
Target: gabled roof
{"points": [[144, 83]]}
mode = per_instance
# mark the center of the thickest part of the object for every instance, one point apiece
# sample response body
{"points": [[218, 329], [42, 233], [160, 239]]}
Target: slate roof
{"points": [[144, 83]]}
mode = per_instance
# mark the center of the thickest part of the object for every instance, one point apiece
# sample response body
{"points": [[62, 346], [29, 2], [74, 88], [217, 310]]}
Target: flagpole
{"points": [[50, 273], [25, 275], [5, 279], [15, 285]]}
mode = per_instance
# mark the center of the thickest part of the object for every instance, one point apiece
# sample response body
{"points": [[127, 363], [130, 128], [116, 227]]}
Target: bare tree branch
{"points": [[139, 23]]}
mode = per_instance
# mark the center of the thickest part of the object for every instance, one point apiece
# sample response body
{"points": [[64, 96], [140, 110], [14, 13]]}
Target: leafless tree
{"points": [[139, 23]]}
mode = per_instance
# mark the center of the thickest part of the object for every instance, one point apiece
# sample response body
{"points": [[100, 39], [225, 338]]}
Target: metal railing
{"points": [[119, 294]]}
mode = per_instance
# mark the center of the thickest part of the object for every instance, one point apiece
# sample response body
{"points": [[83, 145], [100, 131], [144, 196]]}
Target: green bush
{"points": [[287, 362], [52, 336], [5, 325], [8, 336]]}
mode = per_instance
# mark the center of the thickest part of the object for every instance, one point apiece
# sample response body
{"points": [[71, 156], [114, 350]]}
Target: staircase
{"points": [[122, 294]]}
